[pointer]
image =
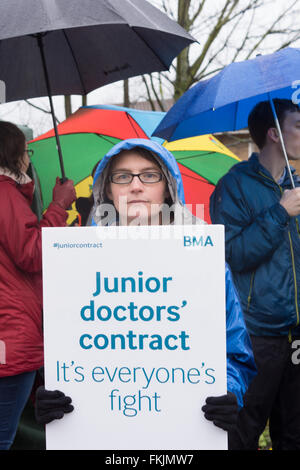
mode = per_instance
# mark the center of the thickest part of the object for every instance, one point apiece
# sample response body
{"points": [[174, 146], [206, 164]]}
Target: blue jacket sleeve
{"points": [[240, 360], [250, 239]]}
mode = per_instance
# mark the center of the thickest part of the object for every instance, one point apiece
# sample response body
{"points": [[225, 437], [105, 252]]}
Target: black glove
{"points": [[223, 411], [50, 405]]}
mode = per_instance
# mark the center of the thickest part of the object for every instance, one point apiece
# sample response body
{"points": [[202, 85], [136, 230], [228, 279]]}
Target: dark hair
{"points": [[261, 118], [12, 147]]}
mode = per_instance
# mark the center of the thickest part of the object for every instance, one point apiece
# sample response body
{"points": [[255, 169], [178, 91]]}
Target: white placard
{"points": [[135, 333]]}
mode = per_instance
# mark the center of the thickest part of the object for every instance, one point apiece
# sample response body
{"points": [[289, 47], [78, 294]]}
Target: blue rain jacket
{"points": [[262, 247], [240, 362]]}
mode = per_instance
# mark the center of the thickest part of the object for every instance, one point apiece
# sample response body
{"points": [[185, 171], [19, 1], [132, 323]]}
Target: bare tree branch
{"points": [[159, 101], [46, 111], [148, 93], [228, 30]]}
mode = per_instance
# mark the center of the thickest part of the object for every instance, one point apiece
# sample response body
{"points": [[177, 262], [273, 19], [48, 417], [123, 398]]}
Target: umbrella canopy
{"points": [[56, 47], [90, 132], [224, 102], [87, 44]]}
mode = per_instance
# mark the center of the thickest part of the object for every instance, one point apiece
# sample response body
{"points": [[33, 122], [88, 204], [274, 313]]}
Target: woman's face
{"points": [[136, 200]]}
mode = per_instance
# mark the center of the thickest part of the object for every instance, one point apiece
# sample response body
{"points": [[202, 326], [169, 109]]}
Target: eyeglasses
{"points": [[29, 152], [147, 177]]}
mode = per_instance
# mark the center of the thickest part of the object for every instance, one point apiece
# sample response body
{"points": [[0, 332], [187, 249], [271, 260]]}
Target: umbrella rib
{"points": [[106, 137], [130, 119], [198, 155], [75, 61], [203, 180], [151, 49], [193, 177]]}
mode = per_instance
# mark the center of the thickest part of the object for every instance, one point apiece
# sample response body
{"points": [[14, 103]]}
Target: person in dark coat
{"points": [[260, 210]]}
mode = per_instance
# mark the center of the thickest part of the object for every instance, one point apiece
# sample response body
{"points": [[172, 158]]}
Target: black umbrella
{"points": [[57, 47]]}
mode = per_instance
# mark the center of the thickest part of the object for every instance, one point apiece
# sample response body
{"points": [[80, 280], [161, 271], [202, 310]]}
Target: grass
{"points": [[265, 442]]}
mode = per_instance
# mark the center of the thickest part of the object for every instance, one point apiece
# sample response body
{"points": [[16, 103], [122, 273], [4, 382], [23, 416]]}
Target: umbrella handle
{"points": [[41, 46], [281, 140], [63, 180]]}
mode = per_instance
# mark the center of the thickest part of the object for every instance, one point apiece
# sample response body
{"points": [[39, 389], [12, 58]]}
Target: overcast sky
{"points": [[21, 113]]}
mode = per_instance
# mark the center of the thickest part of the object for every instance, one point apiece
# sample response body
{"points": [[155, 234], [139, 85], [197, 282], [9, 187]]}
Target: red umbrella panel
{"points": [[197, 191]]}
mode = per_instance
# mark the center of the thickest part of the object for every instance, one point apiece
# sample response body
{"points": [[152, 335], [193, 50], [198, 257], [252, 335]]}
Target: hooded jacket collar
{"points": [[24, 183], [262, 172]]}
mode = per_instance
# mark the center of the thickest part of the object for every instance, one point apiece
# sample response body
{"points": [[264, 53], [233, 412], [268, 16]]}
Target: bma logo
{"points": [[197, 241]]}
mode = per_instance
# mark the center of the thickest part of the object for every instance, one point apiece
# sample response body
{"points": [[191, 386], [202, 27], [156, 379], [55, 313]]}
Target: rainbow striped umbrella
{"points": [[90, 132]]}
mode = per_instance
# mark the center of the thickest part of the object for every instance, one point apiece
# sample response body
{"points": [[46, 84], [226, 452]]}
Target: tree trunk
{"points": [[182, 69], [126, 99], [68, 106]]}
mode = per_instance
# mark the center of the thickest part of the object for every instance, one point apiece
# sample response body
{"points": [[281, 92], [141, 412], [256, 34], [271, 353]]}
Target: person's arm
{"points": [[250, 238], [223, 410], [21, 230]]}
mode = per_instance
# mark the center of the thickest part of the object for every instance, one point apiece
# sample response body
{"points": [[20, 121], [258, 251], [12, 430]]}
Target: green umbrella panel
{"points": [[82, 150], [210, 165]]}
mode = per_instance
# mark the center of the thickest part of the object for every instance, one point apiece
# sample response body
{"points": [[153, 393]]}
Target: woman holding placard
{"points": [[138, 182]]}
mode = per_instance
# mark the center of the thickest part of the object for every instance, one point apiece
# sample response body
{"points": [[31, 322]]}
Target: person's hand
{"points": [[50, 405], [290, 200], [64, 193], [222, 411]]}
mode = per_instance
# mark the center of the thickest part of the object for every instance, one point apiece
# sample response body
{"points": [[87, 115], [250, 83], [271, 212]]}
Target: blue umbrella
{"points": [[224, 102]]}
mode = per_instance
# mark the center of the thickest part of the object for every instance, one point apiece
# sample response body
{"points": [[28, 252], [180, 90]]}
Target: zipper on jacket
{"points": [[250, 291], [297, 225], [295, 279], [293, 258]]}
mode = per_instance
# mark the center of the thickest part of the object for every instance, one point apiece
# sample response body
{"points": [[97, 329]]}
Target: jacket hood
{"points": [[164, 158]]}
